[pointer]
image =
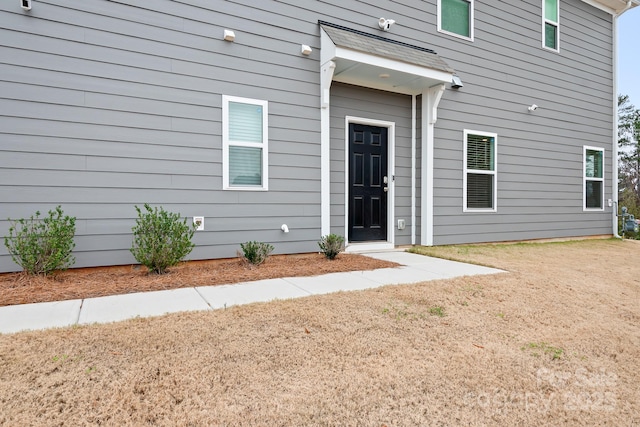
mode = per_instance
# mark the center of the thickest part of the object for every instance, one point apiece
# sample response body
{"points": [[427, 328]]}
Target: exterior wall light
{"points": [[229, 35], [385, 24], [456, 83]]}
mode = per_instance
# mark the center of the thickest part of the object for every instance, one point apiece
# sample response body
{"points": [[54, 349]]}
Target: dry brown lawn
{"points": [[555, 341]]}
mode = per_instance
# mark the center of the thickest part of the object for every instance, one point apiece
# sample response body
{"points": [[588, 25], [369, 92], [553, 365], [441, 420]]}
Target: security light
{"points": [[533, 107], [456, 83], [385, 24]]}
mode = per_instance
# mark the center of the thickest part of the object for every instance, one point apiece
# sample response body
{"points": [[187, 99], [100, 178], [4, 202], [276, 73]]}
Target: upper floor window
{"points": [[551, 24], [480, 172], [244, 143], [456, 17], [593, 178]]}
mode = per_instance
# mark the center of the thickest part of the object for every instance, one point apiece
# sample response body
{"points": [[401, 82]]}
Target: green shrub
{"points": [[41, 246], [255, 252], [331, 245], [160, 239]]}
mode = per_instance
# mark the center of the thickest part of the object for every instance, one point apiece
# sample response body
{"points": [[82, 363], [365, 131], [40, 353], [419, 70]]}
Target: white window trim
{"points": [[556, 23], [226, 143], [585, 178], [471, 19], [466, 171]]}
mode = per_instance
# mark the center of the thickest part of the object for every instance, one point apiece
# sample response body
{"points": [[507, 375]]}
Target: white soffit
{"points": [[613, 7]]}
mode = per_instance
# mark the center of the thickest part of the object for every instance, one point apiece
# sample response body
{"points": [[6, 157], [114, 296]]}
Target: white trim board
{"points": [[391, 144]]}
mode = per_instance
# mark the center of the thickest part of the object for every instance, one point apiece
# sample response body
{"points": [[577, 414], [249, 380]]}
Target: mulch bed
{"points": [[21, 288]]}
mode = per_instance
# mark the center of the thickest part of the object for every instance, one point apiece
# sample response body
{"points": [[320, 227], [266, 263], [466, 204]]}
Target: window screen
{"points": [[244, 143], [455, 17], [551, 20], [594, 178], [480, 171]]}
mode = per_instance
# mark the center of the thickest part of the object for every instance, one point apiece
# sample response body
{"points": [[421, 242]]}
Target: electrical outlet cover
{"points": [[199, 222]]}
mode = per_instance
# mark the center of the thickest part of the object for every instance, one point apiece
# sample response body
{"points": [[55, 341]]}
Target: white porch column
{"points": [[430, 100], [326, 76]]}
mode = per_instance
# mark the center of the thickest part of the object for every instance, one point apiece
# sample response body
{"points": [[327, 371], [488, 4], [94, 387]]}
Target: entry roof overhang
{"points": [[377, 62]]}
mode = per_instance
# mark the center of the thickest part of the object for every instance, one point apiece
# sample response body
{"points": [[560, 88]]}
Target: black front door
{"points": [[367, 183]]}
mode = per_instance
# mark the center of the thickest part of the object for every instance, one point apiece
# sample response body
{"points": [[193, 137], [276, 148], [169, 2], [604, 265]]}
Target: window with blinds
{"points": [[480, 171], [456, 17], [593, 178], [244, 143], [550, 24]]}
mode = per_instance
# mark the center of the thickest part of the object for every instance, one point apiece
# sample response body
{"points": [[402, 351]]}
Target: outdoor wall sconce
{"points": [[229, 35], [456, 83], [306, 50]]}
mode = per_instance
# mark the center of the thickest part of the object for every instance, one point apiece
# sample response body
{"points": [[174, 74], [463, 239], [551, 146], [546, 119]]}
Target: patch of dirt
{"points": [[21, 288]]}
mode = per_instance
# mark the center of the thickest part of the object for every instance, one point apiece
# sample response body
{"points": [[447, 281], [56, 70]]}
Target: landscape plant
{"points": [[161, 239], [41, 246], [255, 253], [331, 245]]}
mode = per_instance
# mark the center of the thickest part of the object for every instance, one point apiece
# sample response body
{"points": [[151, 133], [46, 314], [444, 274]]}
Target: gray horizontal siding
{"points": [[539, 154], [109, 104], [104, 106]]}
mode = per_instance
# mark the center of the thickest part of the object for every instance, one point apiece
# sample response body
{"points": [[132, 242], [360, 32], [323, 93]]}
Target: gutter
{"points": [[614, 160]]}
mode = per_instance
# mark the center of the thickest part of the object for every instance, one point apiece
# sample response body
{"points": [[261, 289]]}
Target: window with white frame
{"points": [[593, 178], [551, 24], [456, 17], [244, 143], [480, 172]]}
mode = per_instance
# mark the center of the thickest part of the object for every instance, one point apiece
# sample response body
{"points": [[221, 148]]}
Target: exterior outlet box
{"points": [[198, 221], [25, 4], [401, 224]]}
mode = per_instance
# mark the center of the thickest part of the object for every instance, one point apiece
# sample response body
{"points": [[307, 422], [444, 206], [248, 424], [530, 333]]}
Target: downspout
{"points": [[614, 160], [413, 169]]}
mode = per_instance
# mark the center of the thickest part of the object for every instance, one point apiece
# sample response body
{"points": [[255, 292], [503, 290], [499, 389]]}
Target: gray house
{"points": [[388, 122]]}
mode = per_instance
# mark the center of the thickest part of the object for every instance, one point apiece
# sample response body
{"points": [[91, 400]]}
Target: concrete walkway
{"points": [[415, 268]]}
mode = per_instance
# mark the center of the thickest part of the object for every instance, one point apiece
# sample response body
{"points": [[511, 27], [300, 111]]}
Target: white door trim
{"points": [[391, 144]]}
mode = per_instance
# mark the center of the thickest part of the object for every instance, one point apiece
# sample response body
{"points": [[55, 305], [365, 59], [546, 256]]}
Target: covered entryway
{"points": [[368, 183], [368, 60]]}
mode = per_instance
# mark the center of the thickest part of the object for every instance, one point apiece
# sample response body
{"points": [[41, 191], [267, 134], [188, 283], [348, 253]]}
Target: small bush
{"points": [[331, 245], [255, 253], [160, 239], [41, 246]]}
